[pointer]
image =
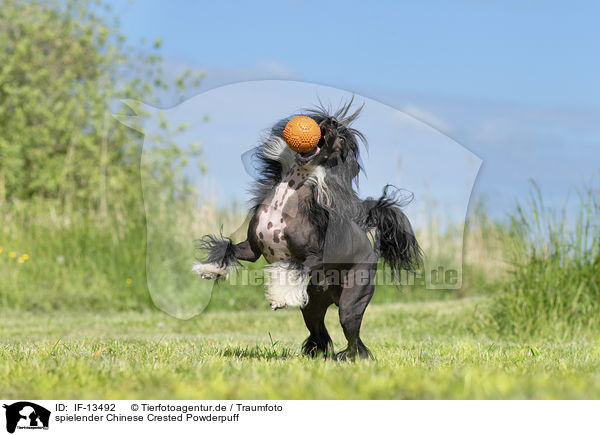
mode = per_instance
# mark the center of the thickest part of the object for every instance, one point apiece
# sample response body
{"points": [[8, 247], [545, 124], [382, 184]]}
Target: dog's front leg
{"points": [[245, 251], [223, 254]]}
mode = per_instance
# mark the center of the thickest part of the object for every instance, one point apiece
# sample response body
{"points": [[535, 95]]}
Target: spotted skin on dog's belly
{"points": [[270, 230]]}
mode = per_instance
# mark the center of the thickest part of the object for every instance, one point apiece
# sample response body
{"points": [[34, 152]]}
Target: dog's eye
{"points": [[342, 141]]}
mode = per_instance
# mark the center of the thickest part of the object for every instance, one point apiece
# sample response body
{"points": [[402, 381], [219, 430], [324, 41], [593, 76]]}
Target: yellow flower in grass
{"points": [[25, 256], [12, 255], [1, 250], [128, 282], [21, 260]]}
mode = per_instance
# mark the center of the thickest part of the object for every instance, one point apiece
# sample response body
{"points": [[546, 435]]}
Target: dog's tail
{"points": [[395, 239]]}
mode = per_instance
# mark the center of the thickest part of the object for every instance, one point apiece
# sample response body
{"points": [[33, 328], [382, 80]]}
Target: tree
{"points": [[62, 67]]}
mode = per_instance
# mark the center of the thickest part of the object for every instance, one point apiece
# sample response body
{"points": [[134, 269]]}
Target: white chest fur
{"points": [[272, 215]]}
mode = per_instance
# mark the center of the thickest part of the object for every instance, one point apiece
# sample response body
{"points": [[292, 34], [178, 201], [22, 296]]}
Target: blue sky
{"points": [[516, 83]]}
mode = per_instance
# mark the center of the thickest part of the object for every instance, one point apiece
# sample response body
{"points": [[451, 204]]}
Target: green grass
{"points": [[423, 350], [553, 290]]}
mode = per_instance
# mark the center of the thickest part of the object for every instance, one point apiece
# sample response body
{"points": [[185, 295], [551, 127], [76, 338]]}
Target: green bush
{"points": [[63, 66]]}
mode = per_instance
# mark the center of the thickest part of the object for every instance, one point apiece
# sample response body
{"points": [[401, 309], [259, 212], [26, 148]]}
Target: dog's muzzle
{"points": [[304, 158]]}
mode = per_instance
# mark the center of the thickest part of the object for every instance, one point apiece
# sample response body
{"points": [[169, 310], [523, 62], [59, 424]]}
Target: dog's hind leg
{"points": [[314, 318], [355, 297]]}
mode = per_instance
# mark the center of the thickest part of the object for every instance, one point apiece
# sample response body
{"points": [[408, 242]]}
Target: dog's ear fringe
{"points": [[269, 166]]}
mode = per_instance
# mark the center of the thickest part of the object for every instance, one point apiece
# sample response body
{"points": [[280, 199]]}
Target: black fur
{"points": [[329, 231], [219, 250], [395, 239]]}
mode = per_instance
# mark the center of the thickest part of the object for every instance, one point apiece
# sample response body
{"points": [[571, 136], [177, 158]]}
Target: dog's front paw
{"points": [[210, 276], [210, 271]]}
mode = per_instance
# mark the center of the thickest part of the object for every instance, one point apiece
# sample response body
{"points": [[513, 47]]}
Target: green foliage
{"points": [[62, 67], [554, 289]]}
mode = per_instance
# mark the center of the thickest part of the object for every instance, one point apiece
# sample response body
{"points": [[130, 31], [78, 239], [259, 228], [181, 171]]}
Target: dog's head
{"points": [[339, 143], [334, 163]]}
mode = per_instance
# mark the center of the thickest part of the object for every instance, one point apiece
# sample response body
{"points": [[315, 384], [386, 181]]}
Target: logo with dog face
{"points": [[26, 415]]}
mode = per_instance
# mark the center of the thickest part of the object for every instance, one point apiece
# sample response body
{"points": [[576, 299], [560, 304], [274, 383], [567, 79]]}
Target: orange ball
{"points": [[302, 134]]}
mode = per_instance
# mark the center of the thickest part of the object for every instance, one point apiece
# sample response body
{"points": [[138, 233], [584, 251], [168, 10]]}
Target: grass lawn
{"points": [[422, 350]]}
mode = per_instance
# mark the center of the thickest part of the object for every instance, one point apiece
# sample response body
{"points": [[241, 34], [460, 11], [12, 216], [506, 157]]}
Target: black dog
{"points": [[309, 224]]}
